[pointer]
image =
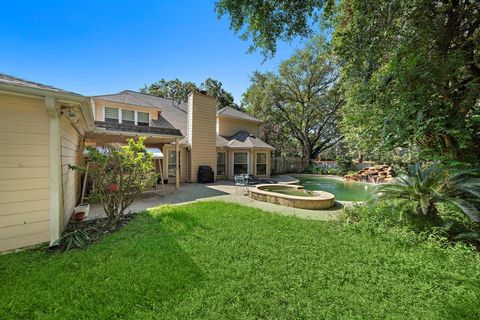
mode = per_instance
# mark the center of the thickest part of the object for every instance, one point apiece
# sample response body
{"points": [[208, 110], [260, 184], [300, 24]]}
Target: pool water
{"points": [[290, 191], [343, 190]]}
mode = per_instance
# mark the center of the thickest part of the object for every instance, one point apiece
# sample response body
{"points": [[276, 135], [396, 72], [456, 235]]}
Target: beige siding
{"points": [[229, 126], [24, 172], [72, 147], [101, 104], [202, 135]]}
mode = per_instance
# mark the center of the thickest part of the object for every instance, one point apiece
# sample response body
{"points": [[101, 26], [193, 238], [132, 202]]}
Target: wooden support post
{"points": [[177, 166]]}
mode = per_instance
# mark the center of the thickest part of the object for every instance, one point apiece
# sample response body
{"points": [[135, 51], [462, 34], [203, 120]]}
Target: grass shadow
{"points": [[139, 269]]}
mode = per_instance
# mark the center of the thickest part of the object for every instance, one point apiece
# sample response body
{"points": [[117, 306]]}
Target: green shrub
{"points": [[344, 164], [429, 188], [119, 174], [319, 169], [315, 169]]}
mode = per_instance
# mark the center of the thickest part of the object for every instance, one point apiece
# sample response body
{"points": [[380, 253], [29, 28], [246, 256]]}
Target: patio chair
{"points": [[240, 181], [252, 180]]}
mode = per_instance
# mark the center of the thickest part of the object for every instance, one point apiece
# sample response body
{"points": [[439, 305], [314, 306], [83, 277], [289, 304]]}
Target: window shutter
{"points": [[111, 113], [128, 115], [143, 117]]}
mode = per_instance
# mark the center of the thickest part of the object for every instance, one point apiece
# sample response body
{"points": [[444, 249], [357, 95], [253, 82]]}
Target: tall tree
{"points": [[410, 69], [267, 21], [171, 89], [303, 96], [215, 88], [178, 91], [411, 72], [273, 130]]}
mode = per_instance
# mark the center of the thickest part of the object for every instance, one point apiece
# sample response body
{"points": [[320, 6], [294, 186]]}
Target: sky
{"points": [[101, 47]]}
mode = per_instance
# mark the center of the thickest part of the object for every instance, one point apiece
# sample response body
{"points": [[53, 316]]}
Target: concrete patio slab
{"points": [[222, 190]]}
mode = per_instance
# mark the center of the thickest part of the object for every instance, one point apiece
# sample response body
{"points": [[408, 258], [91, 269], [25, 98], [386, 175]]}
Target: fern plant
{"points": [[435, 184]]}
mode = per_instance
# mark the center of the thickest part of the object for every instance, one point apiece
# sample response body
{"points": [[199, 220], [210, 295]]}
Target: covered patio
{"points": [[162, 139]]}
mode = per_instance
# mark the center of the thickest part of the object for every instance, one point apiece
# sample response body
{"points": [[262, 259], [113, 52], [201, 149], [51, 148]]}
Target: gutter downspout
{"points": [[55, 169]]}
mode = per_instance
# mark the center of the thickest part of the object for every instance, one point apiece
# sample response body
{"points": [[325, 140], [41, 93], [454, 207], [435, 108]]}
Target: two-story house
{"points": [[45, 129], [227, 139]]}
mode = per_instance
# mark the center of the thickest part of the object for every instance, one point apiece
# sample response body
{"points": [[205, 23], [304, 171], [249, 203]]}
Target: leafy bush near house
{"points": [[119, 174]]}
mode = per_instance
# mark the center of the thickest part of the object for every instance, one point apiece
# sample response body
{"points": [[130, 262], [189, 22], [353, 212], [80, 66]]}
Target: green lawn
{"points": [[213, 260]]}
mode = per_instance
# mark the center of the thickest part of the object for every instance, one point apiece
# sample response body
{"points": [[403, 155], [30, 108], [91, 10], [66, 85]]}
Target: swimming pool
{"points": [[343, 190]]}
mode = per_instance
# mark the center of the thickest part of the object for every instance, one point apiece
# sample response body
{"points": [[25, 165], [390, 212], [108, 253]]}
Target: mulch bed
{"points": [[95, 229]]}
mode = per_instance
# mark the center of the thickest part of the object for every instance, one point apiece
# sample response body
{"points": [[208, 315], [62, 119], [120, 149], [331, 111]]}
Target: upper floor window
{"points": [[111, 115], [128, 116], [143, 118]]}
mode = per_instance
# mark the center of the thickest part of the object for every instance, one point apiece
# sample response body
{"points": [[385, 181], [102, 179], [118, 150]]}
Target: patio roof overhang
{"points": [[155, 152], [105, 132]]}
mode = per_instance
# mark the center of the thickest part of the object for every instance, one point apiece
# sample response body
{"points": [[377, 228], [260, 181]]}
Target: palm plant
{"points": [[427, 187]]}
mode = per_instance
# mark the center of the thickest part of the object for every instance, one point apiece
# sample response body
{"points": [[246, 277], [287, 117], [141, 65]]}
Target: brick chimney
{"points": [[201, 132]]}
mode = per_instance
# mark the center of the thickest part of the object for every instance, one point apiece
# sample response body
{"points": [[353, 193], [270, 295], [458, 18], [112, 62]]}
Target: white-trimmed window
{"points": [[221, 164], [128, 116], [240, 163], [172, 163], [111, 115], [261, 164], [143, 118]]}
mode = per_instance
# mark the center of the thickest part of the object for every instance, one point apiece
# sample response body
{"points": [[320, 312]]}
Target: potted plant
{"points": [[81, 211]]}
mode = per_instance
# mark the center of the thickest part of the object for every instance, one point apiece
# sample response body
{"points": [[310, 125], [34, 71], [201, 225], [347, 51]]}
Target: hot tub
{"points": [[292, 196]]}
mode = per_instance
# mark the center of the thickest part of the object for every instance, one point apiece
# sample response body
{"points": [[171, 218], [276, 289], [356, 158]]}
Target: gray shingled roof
{"points": [[234, 113], [124, 97], [221, 141], [174, 115], [7, 79], [244, 139]]}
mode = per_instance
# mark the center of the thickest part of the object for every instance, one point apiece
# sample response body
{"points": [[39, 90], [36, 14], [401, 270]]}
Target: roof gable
{"points": [[242, 139], [234, 113]]}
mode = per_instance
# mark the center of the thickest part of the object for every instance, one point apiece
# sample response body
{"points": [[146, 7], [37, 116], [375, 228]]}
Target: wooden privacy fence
{"points": [[281, 165]]}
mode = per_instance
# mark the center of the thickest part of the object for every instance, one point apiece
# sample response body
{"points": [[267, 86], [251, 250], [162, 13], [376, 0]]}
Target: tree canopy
{"points": [[267, 21], [178, 91], [410, 70], [303, 96], [411, 73]]}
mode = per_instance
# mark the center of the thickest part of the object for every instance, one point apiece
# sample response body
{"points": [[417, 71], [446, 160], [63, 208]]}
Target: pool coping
{"points": [[331, 196], [322, 200]]}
